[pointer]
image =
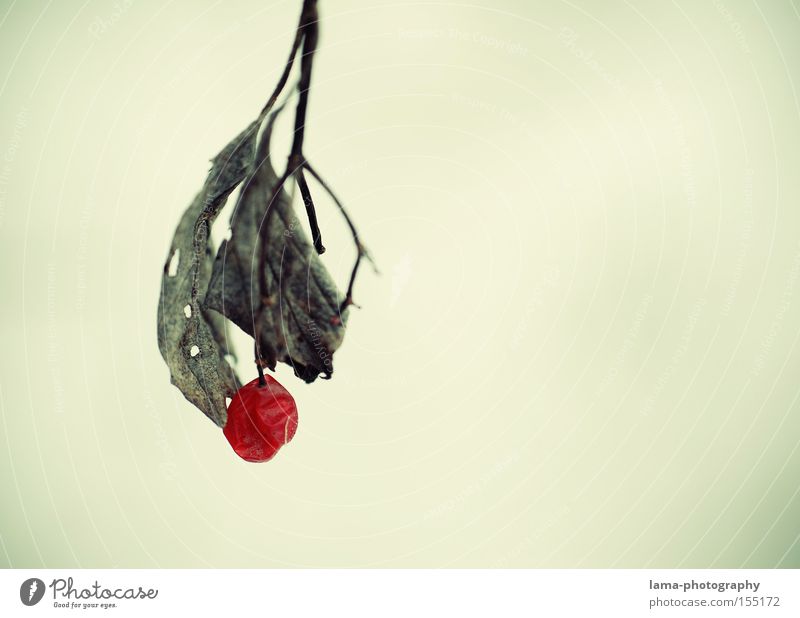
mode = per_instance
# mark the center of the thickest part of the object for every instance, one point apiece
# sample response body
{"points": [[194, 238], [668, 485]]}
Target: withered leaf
{"points": [[301, 324], [191, 341]]}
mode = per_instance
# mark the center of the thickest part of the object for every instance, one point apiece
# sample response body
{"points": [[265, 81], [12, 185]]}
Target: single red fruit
{"points": [[261, 419]]}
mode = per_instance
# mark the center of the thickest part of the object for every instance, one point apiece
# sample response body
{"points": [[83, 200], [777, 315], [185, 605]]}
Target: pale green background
{"points": [[582, 348]]}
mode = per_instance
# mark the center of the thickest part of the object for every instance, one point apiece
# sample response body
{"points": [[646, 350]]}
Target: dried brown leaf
{"points": [[300, 324], [192, 342]]}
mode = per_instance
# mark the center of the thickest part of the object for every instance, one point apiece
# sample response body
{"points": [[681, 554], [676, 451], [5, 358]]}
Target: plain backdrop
{"points": [[581, 349]]}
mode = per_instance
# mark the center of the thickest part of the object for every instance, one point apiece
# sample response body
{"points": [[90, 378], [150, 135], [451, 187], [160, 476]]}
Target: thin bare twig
{"points": [[305, 193], [298, 37], [361, 250]]}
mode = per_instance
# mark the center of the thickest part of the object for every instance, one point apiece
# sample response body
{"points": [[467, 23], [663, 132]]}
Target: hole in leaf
{"points": [[187, 311], [174, 261], [194, 351], [221, 228]]}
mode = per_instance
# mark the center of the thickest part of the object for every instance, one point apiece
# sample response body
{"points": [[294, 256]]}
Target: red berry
{"points": [[261, 419]]}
